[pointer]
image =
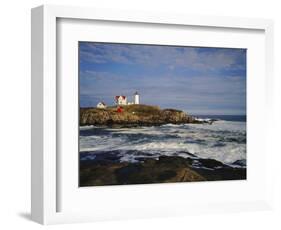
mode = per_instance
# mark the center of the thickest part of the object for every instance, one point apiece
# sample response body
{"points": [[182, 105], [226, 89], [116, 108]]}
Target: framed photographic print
{"points": [[137, 114], [160, 113]]}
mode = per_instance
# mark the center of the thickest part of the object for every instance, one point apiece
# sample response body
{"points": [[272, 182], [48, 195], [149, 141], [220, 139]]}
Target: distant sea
{"points": [[241, 118]]}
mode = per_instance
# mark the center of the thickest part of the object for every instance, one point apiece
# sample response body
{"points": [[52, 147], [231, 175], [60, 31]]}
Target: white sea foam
{"points": [[87, 127], [224, 141]]}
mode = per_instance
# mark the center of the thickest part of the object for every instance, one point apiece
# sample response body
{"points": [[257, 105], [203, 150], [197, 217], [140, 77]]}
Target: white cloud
{"points": [[206, 91], [161, 55]]}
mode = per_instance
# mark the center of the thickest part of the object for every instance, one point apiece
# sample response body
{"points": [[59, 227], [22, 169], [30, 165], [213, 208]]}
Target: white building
{"points": [[121, 100], [101, 105], [136, 98]]}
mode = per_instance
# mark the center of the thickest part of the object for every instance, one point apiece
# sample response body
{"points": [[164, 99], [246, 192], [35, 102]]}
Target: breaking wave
{"points": [[224, 141]]}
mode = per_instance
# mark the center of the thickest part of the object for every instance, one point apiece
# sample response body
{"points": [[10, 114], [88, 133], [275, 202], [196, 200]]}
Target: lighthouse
{"points": [[137, 98]]}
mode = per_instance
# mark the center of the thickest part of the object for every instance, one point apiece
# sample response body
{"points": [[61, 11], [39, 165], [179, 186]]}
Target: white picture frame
{"points": [[45, 161]]}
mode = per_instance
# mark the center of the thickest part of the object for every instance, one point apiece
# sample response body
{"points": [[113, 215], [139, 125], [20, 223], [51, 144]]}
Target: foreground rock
{"points": [[134, 115], [106, 169], [164, 170]]}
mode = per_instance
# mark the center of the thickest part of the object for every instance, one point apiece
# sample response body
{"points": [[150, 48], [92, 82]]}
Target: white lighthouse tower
{"points": [[137, 98]]}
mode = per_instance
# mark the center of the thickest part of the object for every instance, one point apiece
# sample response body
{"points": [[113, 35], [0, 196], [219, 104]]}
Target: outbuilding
{"points": [[101, 105]]}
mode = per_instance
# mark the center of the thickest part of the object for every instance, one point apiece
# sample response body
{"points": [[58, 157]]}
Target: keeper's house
{"points": [[121, 100]]}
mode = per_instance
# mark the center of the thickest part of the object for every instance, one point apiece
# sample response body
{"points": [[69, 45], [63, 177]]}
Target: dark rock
{"points": [[224, 173], [240, 163], [168, 174], [211, 163], [166, 169], [105, 169]]}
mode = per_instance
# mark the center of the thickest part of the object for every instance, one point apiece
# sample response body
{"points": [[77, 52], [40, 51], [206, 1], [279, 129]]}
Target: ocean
{"points": [[223, 141], [224, 117]]}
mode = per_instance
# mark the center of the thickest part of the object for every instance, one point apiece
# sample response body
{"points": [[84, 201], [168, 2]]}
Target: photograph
{"points": [[153, 113]]}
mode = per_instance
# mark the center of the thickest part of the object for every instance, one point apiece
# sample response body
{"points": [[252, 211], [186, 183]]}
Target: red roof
{"points": [[123, 97]]}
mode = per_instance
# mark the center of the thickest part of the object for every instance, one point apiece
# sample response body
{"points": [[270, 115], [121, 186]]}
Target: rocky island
{"points": [[134, 115]]}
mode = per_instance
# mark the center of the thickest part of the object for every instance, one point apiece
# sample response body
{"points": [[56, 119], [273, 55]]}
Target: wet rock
{"points": [[211, 163], [224, 173], [163, 170], [240, 163], [107, 170]]}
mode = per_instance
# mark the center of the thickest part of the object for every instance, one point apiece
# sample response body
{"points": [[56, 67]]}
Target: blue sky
{"points": [[209, 81]]}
